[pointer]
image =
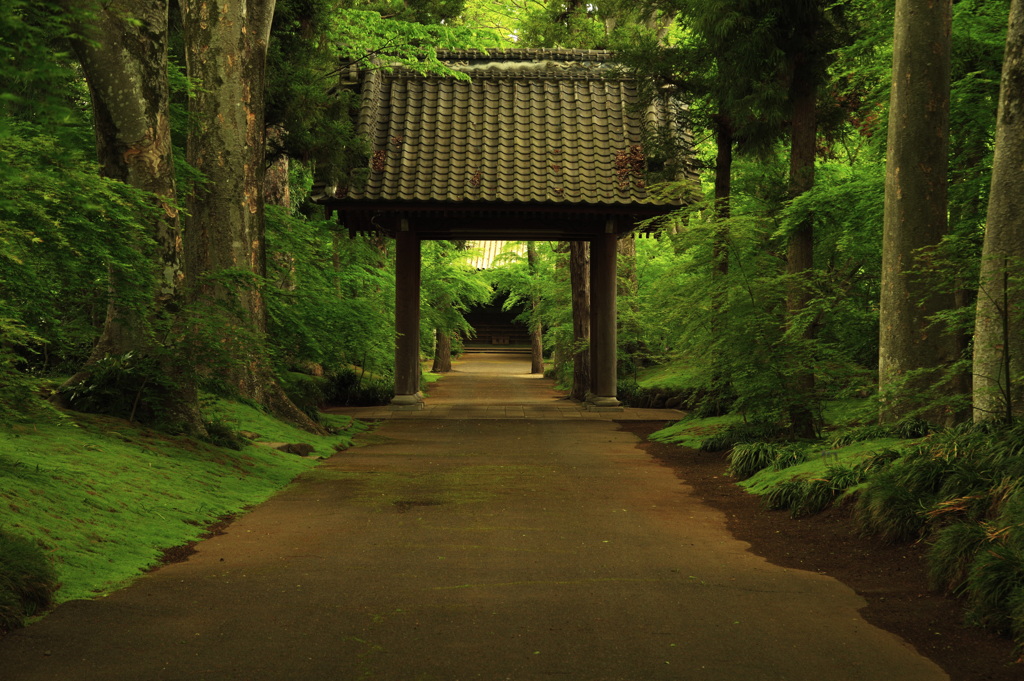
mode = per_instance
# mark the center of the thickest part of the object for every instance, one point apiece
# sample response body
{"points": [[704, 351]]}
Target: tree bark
{"points": [[999, 328], [915, 209], [800, 250], [723, 211], [579, 274], [442, 352], [536, 327], [225, 54], [631, 335], [123, 53]]}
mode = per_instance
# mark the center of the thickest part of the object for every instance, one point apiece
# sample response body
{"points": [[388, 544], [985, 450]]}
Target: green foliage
{"points": [[737, 433], [353, 388], [70, 241], [729, 325], [789, 455], [951, 553], [909, 428], [450, 287], [18, 386], [890, 510], [859, 434], [995, 585], [748, 458], [27, 580], [308, 393], [330, 300], [804, 496], [39, 84], [220, 433], [128, 386]]}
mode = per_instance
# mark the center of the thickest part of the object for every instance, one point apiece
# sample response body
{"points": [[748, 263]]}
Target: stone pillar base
{"points": [[598, 403], [412, 402]]}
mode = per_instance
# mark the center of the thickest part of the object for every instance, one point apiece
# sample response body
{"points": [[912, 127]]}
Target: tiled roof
{"points": [[534, 127]]}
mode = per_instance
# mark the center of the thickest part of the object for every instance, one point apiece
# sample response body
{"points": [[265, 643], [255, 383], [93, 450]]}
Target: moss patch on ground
{"points": [[817, 463], [104, 497], [691, 432], [268, 429], [677, 376]]}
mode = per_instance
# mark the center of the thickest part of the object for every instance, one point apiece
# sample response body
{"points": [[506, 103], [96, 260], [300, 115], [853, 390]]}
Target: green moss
{"points": [[692, 432], [818, 460], [676, 376], [104, 498], [269, 429]]}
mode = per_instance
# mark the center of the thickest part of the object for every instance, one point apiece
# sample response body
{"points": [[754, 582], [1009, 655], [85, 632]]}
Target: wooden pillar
{"points": [[407, 320], [603, 334]]}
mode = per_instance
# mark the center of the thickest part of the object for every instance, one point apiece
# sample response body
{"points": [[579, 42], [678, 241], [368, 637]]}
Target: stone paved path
{"points": [[456, 549]]}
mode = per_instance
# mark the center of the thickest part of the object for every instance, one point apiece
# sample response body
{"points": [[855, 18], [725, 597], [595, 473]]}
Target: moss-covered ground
{"points": [[691, 432], [676, 376], [819, 459], [105, 498]]}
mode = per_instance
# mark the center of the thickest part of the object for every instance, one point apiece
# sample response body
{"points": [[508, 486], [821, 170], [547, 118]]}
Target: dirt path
{"points": [[458, 549]]}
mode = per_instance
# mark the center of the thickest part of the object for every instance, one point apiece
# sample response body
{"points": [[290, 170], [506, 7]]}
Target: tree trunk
{"points": [[277, 184], [630, 333], [536, 327], [723, 211], [915, 209], [225, 54], [720, 248], [800, 251], [123, 53], [442, 352], [579, 274], [560, 353], [999, 327]]}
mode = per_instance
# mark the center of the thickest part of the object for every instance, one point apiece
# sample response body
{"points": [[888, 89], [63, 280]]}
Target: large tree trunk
{"points": [[800, 252], [915, 209], [225, 53], [123, 53], [536, 327], [442, 352], [723, 211], [579, 274], [999, 327], [720, 246]]}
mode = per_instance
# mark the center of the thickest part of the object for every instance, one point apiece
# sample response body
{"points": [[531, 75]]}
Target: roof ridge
{"points": [[526, 54]]}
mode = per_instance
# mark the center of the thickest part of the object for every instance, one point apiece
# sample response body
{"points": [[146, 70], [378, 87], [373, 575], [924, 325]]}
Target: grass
{"points": [[104, 498]]}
